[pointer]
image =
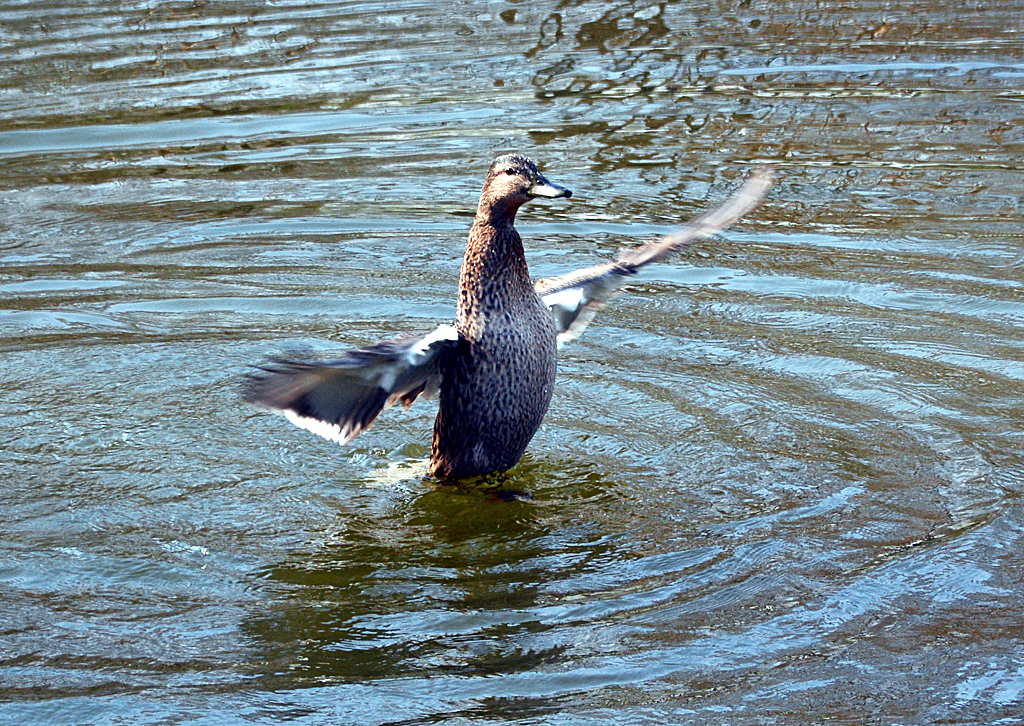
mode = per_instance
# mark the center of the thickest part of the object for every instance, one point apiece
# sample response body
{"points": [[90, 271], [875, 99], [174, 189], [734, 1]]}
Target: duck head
{"points": [[511, 182]]}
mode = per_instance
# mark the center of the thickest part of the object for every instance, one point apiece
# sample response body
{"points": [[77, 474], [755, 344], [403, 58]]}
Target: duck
{"points": [[493, 371]]}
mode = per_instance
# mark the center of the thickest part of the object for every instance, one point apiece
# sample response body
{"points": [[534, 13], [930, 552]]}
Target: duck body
{"points": [[497, 382]]}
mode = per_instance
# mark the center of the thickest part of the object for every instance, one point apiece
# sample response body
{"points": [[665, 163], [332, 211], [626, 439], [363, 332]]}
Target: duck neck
{"points": [[494, 273], [496, 212]]}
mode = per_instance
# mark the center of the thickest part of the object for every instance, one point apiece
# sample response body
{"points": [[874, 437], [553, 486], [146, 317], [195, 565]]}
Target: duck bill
{"points": [[541, 187]]}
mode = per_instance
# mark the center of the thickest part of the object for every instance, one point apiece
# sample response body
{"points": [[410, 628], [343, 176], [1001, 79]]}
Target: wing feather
{"points": [[575, 298], [340, 398]]}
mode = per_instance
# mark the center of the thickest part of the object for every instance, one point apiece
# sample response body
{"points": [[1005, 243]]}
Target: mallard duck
{"points": [[494, 369]]}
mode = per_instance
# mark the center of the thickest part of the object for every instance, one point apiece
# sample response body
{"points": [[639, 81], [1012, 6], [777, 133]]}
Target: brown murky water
{"points": [[781, 478]]}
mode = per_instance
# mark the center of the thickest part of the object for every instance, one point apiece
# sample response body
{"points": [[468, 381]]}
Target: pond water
{"points": [[781, 477]]}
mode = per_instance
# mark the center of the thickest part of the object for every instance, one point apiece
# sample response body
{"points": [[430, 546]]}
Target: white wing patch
{"points": [[569, 308], [418, 353], [568, 300], [330, 431]]}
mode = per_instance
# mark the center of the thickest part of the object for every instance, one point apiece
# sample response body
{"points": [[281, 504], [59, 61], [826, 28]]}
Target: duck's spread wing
{"points": [[337, 399], [575, 298]]}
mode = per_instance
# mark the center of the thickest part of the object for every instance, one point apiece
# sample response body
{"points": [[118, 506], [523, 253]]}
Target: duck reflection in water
{"points": [[494, 370]]}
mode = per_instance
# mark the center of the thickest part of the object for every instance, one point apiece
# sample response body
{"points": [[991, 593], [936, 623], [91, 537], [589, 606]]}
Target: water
{"points": [[780, 481]]}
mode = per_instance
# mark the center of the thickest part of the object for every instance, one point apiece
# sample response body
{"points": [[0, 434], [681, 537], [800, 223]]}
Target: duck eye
{"points": [[510, 172]]}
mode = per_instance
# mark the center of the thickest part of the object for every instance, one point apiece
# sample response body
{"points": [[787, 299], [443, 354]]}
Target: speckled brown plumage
{"points": [[497, 382]]}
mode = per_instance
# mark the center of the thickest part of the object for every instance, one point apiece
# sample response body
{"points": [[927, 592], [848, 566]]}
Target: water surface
{"points": [[780, 480]]}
